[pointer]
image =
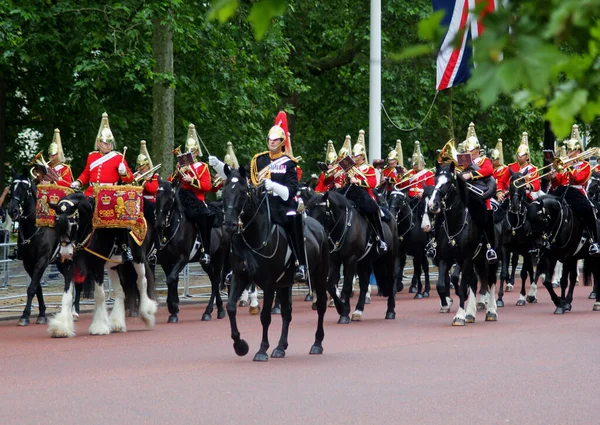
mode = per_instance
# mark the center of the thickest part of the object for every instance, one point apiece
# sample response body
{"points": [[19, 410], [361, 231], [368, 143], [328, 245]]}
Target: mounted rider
{"points": [[276, 168], [394, 169], [418, 177], [106, 167], [363, 180], [230, 160], [576, 176], [326, 178], [56, 161], [195, 181], [149, 180], [477, 173], [523, 166], [501, 173]]}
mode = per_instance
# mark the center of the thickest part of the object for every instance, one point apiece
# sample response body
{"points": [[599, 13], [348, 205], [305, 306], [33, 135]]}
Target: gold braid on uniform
{"points": [[253, 170]]}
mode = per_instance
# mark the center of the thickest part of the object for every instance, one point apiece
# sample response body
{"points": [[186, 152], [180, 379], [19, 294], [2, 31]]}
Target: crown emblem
{"points": [[54, 198], [105, 200], [131, 195]]}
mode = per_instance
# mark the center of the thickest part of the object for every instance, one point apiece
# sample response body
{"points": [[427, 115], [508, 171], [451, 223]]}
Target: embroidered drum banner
{"points": [[117, 206], [48, 194]]}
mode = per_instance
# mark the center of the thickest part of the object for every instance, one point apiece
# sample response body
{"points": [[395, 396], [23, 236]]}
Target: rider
{"points": [[326, 177], [523, 166], [149, 180], [230, 160], [419, 177], [395, 165], [277, 170], [56, 161], [106, 167], [481, 209], [576, 176], [195, 181], [363, 180], [501, 173]]}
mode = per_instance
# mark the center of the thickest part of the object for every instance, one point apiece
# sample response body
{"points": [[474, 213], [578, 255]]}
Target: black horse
{"points": [[260, 253], [560, 235], [593, 191], [38, 246], [178, 245], [411, 241], [458, 240], [516, 239], [351, 245], [86, 252]]}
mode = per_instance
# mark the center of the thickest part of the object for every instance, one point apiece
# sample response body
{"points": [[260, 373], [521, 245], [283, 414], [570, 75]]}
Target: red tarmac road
{"points": [[531, 367]]}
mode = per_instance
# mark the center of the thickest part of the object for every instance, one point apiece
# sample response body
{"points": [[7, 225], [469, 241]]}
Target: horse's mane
{"points": [[314, 199], [339, 199]]}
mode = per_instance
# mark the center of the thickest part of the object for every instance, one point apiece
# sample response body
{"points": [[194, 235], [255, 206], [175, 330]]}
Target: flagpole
{"points": [[375, 82]]}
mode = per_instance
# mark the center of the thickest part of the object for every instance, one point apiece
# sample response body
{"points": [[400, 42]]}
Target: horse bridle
{"points": [[168, 223], [336, 245], [410, 215], [19, 200], [73, 227]]}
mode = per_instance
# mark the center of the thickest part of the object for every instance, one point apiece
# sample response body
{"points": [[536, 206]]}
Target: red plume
{"points": [[281, 121]]}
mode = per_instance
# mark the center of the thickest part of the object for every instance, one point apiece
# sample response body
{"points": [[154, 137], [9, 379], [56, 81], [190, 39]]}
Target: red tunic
{"points": [[392, 177], [502, 176], [299, 171], [201, 180], [417, 181], [64, 171], [150, 188], [324, 183], [486, 169], [576, 176], [368, 179], [102, 169], [530, 170]]}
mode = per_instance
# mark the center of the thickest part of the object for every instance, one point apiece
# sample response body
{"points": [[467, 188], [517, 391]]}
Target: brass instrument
{"points": [[405, 177], [41, 166], [137, 177], [216, 181], [558, 165]]}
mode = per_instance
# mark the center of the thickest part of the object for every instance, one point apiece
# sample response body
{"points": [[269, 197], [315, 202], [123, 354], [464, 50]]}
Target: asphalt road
{"points": [[530, 367]]}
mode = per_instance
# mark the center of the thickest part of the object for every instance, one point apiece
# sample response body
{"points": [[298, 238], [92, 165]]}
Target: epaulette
{"points": [[292, 158], [259, 154]]}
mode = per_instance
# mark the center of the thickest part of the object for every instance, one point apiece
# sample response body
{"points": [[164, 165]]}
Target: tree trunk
{"points": [[163, 98], [3, 141]]}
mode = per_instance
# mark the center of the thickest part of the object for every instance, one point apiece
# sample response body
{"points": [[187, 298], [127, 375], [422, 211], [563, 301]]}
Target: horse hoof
{"points": [[332, 303], [480, 306], [592, 296], [343, 320], [555, 285], [458, 322], [390, 315], [568, 307], [357, 317], [241, 348], [412, 290], [596, 306], [445, 309], [499, 303], [521, 303], [278, 353], [400, 287], [206, 317], [261, 357], [243, 303], [559, 310], [470, 318], [254, 310], [276, 310], [425, 294], [509, 288], [221, 314], [41, 321], [367, 300], [491, 317], [314, 306], [418, 297], [531, 299], [23, 321], [173, 319], [308, 297], [316, 349]]}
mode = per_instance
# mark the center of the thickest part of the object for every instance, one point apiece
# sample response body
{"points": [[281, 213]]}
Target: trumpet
{"points": [[137, 177], [406, 177], [41, 166], [558, 165]]}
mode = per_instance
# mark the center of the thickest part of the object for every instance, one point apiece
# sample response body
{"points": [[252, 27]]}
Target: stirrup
{"points": [[205, 259], [490, 255], [126, 255], [300, 274], [594, 249], [430, 251], [228, 278], [382, 246]]}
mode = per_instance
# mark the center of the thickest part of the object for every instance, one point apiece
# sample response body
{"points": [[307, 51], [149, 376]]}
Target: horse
{"points": [[559, 235], [37, 245], [411, 241], [178, 245], [260, 253], [351, 245], [516, 239], [458, 240], [87, 252], [593, 191]]}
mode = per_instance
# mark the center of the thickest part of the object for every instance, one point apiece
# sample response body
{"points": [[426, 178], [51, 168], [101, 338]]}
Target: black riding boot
{"points": [[205, 228], [490, 254], [125, 250], [590, 224], [376, 222], [296, 234]]}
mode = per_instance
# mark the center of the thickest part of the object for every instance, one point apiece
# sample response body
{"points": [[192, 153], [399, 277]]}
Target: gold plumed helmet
{"points": [[276, 132], [104, 133], [191, 142], [417, 157], [523, 148], [397, 153], [574, 143], [448, 153], [330, 155], [55, 147], [346, 148], [144, 157], [471, 142], [497, 153], [359, 147], [230, 158]]}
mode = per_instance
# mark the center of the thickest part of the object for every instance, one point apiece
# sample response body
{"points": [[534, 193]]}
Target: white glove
{"points": [[122, 170], [278, 189], [219, 166], [76, 185]]}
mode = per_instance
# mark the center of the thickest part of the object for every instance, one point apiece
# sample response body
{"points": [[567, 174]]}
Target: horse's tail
{"points": [[384, 270], [589, 267]]}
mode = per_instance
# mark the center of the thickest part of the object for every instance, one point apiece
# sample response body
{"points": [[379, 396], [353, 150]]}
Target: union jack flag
{"points": [[453, 63]]}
